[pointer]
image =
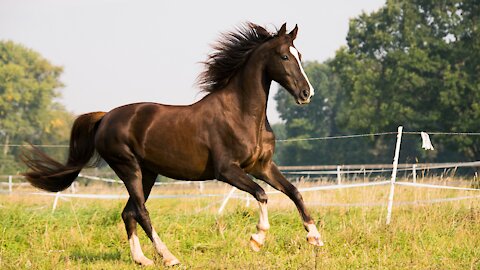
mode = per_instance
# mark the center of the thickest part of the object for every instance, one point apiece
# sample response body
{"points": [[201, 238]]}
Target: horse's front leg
{"points": [[258, 239], [235, 176], [272, 176]]}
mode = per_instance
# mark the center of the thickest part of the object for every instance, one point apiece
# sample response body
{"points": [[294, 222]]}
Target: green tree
{"points": [[414, 63], [411, 63], [317, 119], [28, 111]]}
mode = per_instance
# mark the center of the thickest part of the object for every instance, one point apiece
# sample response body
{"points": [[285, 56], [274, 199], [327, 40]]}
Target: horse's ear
{"points": [[293, 33], [283, 30]]}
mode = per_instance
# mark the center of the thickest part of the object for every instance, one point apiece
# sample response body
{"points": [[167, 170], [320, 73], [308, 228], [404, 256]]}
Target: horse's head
{"points": [[284, 66]]}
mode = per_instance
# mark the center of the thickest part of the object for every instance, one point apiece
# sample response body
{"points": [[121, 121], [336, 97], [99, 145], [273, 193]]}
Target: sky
{"points": [[116, 52]]}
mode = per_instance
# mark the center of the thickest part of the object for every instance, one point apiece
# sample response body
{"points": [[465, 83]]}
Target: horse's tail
{"points": [[47, 174]]}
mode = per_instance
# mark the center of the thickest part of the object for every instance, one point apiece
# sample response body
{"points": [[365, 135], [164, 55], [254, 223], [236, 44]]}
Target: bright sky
{"points": [[116, 52]]}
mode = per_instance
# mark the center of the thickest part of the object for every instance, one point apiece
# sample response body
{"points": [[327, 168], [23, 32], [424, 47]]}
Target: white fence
{"points": [[233, 193], [337, 170]]}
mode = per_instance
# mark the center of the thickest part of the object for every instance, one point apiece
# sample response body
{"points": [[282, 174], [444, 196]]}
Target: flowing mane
{"points": [[229, 55]]}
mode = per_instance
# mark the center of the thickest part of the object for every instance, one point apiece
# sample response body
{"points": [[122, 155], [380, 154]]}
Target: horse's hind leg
{"points": [[148, 180], [135, 209], [139, 185], [128, 216]]}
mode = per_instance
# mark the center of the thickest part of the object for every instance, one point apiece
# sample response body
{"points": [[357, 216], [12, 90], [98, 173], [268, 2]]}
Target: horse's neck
{"points": [[253, 90]]}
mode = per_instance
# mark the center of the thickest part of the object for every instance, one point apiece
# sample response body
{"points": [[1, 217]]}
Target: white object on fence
{"points": [[10, 184], [426, 143], [339, 176], [394, 174], [224, 203], [55, 201]]}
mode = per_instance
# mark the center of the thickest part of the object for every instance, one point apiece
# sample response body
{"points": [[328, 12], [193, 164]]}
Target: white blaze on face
{"points": [[297, 57]]}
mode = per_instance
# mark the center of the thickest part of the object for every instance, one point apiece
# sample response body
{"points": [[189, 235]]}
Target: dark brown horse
{"points": [[225, 136]]}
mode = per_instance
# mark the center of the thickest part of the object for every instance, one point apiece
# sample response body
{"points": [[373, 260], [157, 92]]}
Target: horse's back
{"points": [[169, 140]]}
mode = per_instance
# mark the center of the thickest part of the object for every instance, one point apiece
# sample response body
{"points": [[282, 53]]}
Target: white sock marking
{"points": [[263, 221], [136, 251], [313, 229], [262, 227], [162, 249], [135, 247], [313, 235]]}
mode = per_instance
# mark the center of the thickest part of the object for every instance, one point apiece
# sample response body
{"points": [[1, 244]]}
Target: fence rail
{"points": [[339, 170], [420, 166]]}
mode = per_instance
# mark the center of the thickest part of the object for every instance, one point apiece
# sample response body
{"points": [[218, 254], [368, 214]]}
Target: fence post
{"points": [[414, 173], [339, 176], [394, 174], [247, 198], [73, 189], [201, 187], [10, 184], [55, 202], [224, 203]]}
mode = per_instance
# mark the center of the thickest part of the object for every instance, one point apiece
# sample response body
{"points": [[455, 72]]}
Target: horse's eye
{"points": [[284, 57]]}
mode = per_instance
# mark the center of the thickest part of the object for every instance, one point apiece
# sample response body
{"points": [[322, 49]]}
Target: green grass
{"points": [[89, 234]]}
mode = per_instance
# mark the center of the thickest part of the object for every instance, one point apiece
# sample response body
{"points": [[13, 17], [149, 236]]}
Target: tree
{"points": [[28, 111], [411, 63], [414, 63]]}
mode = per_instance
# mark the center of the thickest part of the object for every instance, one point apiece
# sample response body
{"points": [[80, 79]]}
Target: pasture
{"points": [[89, 233]]}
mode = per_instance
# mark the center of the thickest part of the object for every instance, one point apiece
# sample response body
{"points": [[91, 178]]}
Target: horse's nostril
{"points": [[305, 94]]}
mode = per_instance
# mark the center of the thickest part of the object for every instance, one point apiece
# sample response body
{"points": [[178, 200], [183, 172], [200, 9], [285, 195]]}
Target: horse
{"points": [[224, 136]]}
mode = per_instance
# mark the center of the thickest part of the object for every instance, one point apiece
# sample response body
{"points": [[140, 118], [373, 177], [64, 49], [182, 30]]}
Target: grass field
{"points": [[89, 234]]}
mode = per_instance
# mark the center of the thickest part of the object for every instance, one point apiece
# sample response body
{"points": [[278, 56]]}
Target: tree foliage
{"points": [[411, 63], [28, 110]]}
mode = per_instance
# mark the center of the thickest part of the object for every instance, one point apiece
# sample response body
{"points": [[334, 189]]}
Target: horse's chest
{"points": [[252, 158]]}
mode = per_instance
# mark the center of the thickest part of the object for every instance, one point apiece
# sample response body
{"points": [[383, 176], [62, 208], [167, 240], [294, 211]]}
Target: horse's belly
{"points": [[180, 164]]}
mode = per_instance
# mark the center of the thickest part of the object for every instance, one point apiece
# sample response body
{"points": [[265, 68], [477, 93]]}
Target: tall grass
{"points": [[89, 234]]}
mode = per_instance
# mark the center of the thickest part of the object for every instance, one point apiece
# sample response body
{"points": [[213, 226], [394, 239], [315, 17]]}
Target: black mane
{"points": [[229, 55]]}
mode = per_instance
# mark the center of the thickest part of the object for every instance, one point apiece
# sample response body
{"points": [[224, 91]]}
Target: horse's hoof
{"points": [[171, 262], [315, 240], [255, 244], [144, 261]]}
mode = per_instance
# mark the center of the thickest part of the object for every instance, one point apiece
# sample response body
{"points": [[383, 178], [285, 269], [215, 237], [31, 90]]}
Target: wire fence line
{"points": [[372, 168], [36, 145], [306, 189], [292, 139], [339, 185], [234, 194], [109, 180], [377, 134]]}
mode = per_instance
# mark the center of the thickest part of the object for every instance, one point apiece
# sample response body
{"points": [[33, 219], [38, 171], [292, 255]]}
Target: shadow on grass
{"points": [[89, 256]]}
